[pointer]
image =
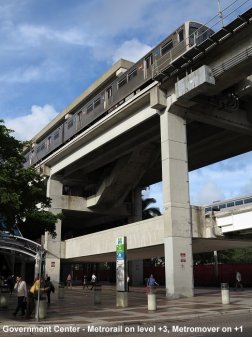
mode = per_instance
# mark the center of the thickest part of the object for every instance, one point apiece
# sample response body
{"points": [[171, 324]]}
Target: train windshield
{"points": [[193, 34]]}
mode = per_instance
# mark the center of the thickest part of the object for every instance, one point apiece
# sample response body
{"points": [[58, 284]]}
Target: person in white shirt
{"points": [[21, 289], [93, 281], [69, 280], [238, 280]]}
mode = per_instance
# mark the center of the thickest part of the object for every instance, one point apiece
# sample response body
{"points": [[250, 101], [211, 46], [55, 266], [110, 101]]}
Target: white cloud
{"points": [[36, 34], [25, 127], [131, 50], [226, 179], [21, 75], [208, 193]]}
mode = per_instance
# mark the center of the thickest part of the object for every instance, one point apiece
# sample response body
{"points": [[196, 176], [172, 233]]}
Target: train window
{"points": [[97, 102], [109, 92], [168, 46], [239, 202], [208, 209], [42, 146], [193, 34], [230, 204], [78, 117], [222, 206], [70, 123], [205, 35], [90, 108], [149, 61], [56, 134], [132, 74], [38, 149], [122, 82], [180, 35], [247, 201]]}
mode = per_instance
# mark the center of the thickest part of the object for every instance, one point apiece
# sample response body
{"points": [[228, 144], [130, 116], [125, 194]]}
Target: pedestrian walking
{"points": [[20, 287], [69, 280], [11, 283], [93, 281], [238, 278], [33, 294], [128, 282], [151, 283], [50, 288], [85, 282]]}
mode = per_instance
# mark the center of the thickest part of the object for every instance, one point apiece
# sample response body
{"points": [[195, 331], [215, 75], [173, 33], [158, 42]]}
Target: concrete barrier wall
{"points": [[139, 234]]}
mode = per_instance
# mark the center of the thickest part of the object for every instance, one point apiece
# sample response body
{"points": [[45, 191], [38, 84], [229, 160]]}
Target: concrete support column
{"points": [[136, 201], [135, 269], [177, 219], [53, 246]]}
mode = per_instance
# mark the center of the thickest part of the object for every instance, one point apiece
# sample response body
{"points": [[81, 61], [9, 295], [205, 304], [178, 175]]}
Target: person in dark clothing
{"points": [[50, 288], [85, 282], [11, 283]]}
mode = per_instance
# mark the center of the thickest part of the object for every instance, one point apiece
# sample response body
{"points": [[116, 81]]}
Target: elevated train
{"points": [[136, 78], [228, 204]]}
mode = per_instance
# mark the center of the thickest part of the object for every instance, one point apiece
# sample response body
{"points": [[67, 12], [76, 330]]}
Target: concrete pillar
{"points": [[136, 201], [135, 269], [177, 219], [53, 245]]}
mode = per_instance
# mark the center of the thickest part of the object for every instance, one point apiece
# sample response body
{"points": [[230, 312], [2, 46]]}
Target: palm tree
{"points": [[149, 212]]}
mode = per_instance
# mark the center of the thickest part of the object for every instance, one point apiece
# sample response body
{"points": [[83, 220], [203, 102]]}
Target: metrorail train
{"points": [[135, 79], [230, 203]]}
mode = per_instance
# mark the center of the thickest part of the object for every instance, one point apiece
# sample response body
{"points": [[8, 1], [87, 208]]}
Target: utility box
{"points": [[195, 83]]}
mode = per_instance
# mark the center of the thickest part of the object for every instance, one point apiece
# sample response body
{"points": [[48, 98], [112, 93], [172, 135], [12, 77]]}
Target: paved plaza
{"points": [[77, 307]]}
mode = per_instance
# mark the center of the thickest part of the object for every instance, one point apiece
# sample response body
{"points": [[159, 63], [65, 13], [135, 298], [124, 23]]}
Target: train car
{"points": [[141, 74], [228, 204]]}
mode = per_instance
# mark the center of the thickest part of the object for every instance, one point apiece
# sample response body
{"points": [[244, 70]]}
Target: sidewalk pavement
{"points": [[77, 307]]}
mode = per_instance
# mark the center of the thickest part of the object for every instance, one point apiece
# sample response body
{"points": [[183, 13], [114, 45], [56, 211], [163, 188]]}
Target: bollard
{"points": [[61, 290], [152, 301], [97, 294], [225, 293], [122, 299], [40, 311]]}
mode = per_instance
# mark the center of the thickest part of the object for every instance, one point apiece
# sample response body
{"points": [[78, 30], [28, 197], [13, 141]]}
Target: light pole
{"points": [[39, 257], [220, 13]]}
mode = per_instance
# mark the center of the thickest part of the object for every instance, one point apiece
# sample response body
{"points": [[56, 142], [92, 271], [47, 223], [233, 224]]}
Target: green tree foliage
{"points": [[23, 198], [238, 255], [149, 212]]}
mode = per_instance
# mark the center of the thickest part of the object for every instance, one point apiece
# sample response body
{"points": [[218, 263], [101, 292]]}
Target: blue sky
{"points": [[52, 50]]}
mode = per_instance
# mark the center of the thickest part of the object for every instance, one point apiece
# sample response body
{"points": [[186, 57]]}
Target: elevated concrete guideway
{"points": [[174, 125]]}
